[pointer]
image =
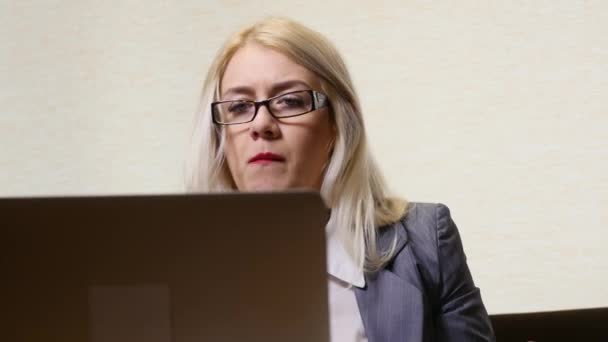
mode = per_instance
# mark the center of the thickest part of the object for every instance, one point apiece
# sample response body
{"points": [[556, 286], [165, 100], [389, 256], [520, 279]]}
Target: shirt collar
{"points": [[340, 264]]}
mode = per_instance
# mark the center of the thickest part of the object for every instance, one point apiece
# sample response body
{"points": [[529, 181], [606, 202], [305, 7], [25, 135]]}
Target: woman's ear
{"points": [[330, 145], [332, 141]]}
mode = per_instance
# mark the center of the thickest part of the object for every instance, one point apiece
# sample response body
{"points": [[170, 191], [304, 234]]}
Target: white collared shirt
{"points": [[344, 318]]}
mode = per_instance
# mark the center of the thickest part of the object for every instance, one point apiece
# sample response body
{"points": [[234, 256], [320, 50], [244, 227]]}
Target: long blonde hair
{"points": [[353, 186]]}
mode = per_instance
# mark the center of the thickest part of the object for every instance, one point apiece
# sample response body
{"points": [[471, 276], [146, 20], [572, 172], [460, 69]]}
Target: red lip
{"points": [[266, 156]]}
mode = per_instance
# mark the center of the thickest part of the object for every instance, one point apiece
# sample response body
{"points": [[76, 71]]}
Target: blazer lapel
{"points": [[391, 307]]}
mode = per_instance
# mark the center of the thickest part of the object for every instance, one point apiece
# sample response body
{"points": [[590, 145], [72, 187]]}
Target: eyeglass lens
{"points": [[290, 104]]}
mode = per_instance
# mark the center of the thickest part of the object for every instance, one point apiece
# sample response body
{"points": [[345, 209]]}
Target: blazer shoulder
{"points": [[424, 215], [422, 227], [422, 222], [419, 233]]}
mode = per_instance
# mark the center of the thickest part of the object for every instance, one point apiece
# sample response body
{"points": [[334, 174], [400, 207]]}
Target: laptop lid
{"points": [[164, 268]]}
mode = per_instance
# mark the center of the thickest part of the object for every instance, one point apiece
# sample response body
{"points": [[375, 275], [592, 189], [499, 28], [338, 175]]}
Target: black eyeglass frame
{"points": [[319, 100]]}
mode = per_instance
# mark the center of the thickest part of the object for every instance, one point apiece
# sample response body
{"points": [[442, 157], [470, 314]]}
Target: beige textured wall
{"points": [[497, 108]]}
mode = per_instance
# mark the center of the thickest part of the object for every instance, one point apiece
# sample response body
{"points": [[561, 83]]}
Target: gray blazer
{"points": [[426, 293]]}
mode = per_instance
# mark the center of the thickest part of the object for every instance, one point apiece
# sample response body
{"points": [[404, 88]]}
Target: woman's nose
{"points": [[264, 125]]}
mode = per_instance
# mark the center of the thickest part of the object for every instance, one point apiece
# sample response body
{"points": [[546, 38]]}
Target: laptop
{"points": [[164, 268]]}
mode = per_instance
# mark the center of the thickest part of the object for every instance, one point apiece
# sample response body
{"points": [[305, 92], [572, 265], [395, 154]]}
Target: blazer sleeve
{"points": [[462, 315]]}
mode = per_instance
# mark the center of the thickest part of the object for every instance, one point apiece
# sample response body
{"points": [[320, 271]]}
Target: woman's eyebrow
{"points": [[239, 90], [276, 88]]}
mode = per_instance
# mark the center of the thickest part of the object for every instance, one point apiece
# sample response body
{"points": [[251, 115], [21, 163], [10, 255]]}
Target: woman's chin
{"points": [[267, 187]]}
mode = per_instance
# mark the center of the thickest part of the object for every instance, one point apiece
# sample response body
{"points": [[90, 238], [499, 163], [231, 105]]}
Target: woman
{"points": [[279, 112]]}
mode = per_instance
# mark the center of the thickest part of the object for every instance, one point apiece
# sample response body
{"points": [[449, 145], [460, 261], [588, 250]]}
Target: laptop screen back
{"points": [[167, 268]]}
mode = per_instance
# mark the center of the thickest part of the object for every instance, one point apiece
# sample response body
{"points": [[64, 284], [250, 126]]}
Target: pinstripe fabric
{"points": [[426, 293]]}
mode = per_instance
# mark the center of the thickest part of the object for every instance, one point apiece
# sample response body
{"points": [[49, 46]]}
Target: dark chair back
{"points": [[572, 325]]}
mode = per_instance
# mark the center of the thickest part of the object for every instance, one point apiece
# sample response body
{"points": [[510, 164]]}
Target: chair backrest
{"points": [[571, 325]]}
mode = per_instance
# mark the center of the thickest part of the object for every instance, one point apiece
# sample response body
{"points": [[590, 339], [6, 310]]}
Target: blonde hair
{"points": [[352, 186]]}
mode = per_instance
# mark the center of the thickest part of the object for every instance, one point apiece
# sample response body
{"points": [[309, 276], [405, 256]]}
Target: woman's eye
{"points": [[291, 101], [239, 108]]}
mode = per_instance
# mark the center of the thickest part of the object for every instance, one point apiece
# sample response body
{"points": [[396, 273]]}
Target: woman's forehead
{"points": [[256, 68]]}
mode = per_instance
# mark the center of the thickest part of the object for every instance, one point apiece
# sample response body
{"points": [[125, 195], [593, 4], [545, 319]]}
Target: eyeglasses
{"points": [[283, 106]]}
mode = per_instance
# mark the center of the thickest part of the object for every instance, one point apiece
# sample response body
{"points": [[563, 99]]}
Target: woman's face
{"points": [[270, 154]]}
